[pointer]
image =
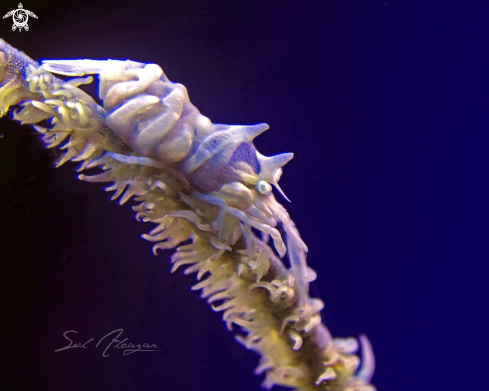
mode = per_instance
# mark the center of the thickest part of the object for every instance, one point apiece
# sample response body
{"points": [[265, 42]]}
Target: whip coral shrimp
{"points": [[209, 193]]}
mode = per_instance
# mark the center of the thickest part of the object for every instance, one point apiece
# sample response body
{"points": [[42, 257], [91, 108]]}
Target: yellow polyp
{"points": [[43, 106], [77, 81], [82, 113], [63, 92], [42, 84], [46, 78], [34, 79], [54, 102], [87, 153], [278, 349]]}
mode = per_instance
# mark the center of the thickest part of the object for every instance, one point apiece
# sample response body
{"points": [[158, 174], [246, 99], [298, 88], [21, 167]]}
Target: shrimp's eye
{"points": [[263, 187]]}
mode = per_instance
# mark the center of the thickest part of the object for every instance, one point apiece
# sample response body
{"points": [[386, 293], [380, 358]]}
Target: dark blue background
{"points": [[386, 107]]}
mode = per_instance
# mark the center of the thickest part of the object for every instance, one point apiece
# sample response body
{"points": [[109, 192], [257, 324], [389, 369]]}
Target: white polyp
{"points": [[346, 345], [296, 338], [327, 375], [283, 290], [240, 269], [313, 322]]}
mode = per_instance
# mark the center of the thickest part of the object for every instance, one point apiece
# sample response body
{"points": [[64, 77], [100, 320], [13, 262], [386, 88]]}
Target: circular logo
{"points": [[20, 17]]}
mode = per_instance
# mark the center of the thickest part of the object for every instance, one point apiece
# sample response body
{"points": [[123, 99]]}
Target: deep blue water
{"points": [[386, 107]]}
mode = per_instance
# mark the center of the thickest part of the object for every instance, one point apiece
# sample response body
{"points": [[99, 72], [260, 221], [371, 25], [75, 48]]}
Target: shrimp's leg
{"points": [[131, 77]]}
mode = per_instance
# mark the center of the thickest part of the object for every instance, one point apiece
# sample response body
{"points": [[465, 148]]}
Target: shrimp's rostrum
{"points": [[200, 181]]}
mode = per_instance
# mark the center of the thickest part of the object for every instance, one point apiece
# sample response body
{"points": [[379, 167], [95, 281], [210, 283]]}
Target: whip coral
{"points": [[209, 193]]}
